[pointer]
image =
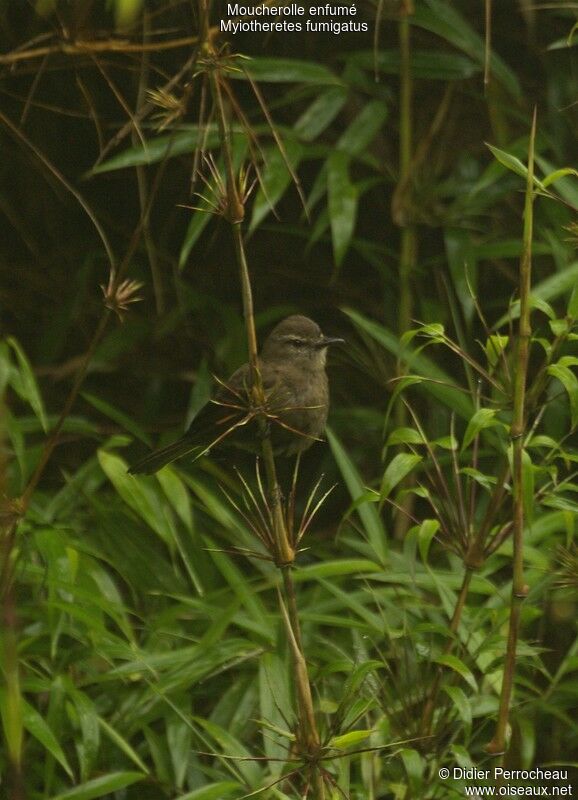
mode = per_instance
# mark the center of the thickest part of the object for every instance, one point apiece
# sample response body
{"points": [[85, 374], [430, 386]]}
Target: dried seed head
{"points": [[171, 108], [572, 229], [119, 296], [567, 572], [217, 197]]}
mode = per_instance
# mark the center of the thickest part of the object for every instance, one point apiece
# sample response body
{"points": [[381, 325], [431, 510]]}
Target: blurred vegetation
{"points": [[144, 654]]}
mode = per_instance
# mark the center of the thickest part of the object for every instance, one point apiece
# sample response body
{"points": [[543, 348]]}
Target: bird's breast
{"points": [[299, 402]]}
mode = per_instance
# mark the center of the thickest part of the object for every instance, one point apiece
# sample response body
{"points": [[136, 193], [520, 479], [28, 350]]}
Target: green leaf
{"points": [[367, 512], [276, 178], [88, 746], [428, 64], [461, 703], [548, 289], [444, 20], [122, 744], [494, 347], [462, 261], [487, 481], [364, 128], [24, 383], [400, 466], [177, 495], [5, 367], [453, 662], [509, 248], [284, 70], [482, 419], [514, 164], [138, 494], [126, 13], [274, 704], [345, 740], [564, 374], [528, 487], [358, 676], [200, 218], [426, 532], [159, 148], [117, 416], [320, 114], [558, 174], [246, 592], [215, 791], [333, 569], [566, 187], [405, 436], [11, 711], [434, 380], [232, 746], [343, 199], [100, 787], [572, 310], [414, 766]]}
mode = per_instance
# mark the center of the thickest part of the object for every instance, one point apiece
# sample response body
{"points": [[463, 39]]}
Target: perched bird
{"points": [[292, 368]]}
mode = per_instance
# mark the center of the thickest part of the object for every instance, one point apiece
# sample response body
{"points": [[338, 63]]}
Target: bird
{"points": [[296, 389]]}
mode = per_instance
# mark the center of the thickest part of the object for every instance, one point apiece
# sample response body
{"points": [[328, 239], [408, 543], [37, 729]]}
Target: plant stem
{"points": [[284, 555], [284, 552], [142, 183], [519, 588], [487, 43], [429, 707], [12, 716], [52, 440], [408, 235]]}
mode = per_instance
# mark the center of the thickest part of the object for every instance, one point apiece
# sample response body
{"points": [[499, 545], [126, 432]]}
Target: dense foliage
{"points": [[393, 188]]}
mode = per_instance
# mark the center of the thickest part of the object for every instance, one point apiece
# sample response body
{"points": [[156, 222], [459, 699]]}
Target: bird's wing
{"points": [[213, 423]]}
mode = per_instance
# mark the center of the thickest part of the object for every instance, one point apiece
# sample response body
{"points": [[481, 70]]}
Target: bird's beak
{"points": [[325, 341]]}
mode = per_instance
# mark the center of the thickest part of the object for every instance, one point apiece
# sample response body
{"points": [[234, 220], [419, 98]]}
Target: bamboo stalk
{"points": [[408, 234], [284, 555], [498, 743], [430, 704]]}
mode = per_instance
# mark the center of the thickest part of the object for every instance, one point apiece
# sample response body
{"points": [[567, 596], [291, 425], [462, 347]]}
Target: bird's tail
{"points": [[159, 458]]}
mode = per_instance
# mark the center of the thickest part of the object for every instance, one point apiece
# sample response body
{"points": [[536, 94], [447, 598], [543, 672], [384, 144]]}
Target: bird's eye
{"points": [[297, 343]]}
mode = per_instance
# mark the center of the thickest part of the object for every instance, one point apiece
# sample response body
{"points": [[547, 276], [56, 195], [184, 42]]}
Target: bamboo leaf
{"points": [[397, 469], [345, 740], [482, 419], [24, 383], [435, 381], [514, 164], [453, 662], [445, 21], [548, 289], [426, 533], [100, 787], [276, 179], [285, 70], [558, 174], [564, 374], [461, 703], [320, 114], [343, 199], [364, 128], [367, 511], [427, 64], [215, 791], [138, 493]]}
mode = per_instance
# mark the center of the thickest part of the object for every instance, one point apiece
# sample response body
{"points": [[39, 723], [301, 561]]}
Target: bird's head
{"points": [[299, 341]]}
